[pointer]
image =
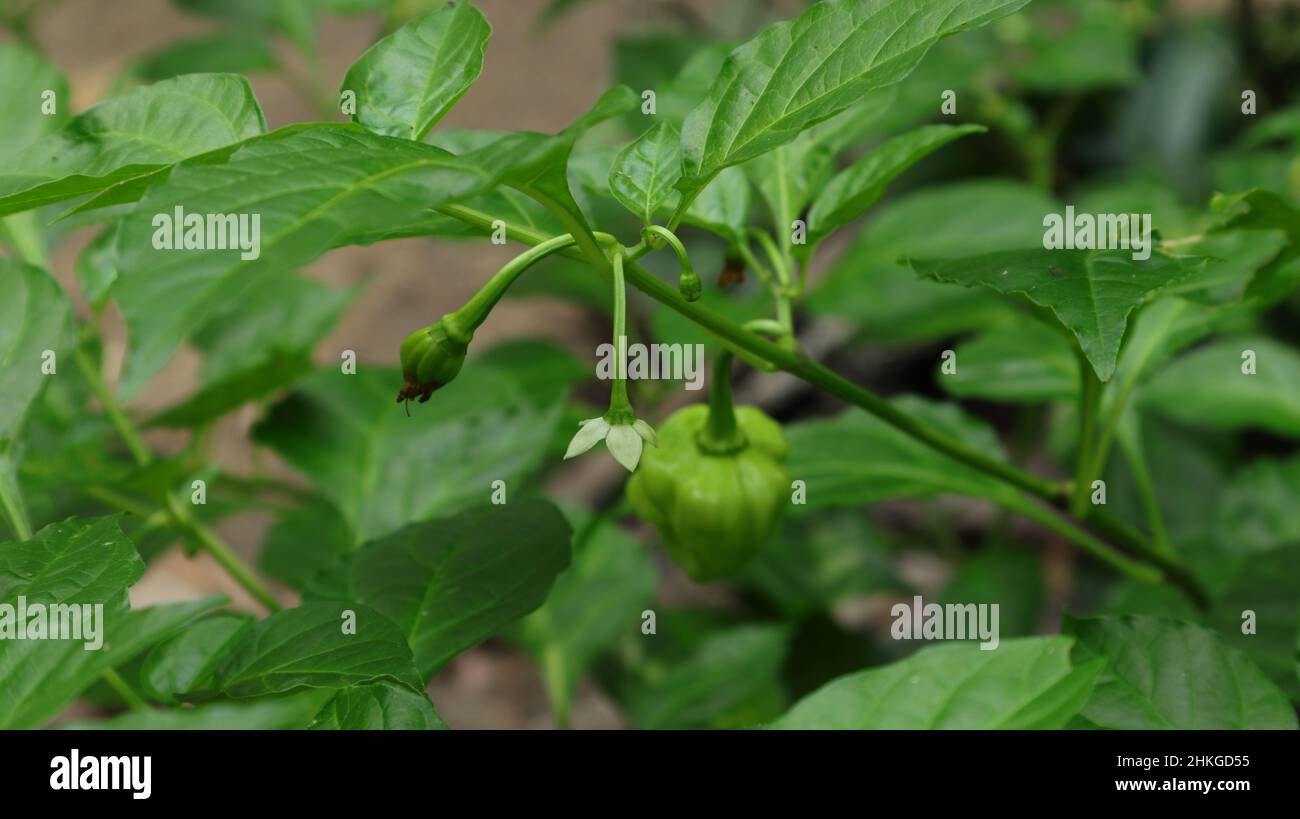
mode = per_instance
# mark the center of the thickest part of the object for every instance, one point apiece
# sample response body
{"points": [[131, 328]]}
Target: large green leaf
{"points": [[410, 79], [382, 469], [35, 316], [856, 458], [311, 646], [84, 561], [378, 706], [644, 172], [138, 133], [597, 599], [848, 195], [452, 582], [797, 73], [303, 541], [24, 76], [258, 344], [1023, 683], [1207, 388], [186, 663], [885, 300], [1090, 292], [360, 181], [1164, 674]]}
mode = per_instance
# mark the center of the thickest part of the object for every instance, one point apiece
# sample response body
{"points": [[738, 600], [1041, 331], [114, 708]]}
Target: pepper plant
{"points": [[870, 176]]}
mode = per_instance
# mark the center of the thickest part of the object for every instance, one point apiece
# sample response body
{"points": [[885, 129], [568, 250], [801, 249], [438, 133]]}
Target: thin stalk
{"points": [[204, 536], [474, 311], [721, 434], [1089, 403], [123, 690]]}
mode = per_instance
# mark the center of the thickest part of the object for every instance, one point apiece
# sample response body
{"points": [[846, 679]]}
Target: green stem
{"points": [[15, 511], [1053, 521], [1089, 402], [620, 408], [476, 310], [1131, 445], [688, 283], [123, 690], [202, 535], [721, 435]]}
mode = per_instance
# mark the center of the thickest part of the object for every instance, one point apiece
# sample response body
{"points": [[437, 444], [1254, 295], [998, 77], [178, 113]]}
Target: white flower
{"points": [[625, 441]]}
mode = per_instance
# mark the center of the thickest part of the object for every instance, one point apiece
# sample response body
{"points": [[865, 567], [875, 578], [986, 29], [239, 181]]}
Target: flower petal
{"points": [[625, 445], [646, 432], [592, 432]]}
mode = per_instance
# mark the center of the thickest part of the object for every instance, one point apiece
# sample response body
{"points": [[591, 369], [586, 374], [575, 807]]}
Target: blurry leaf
{"points": [[797, 73], [848, 195], [231, 51], [137, 133], [382, 469], [25, 75], [1233, 259], [451, 583], [1282, 124], [1012, 579], [1266, 210], [1024, 683], [378, 706], [1074, 45], [819, 560], [258, 344], [544, 370], [35, 323], [410, 79], [1207, 388], [1090, 292], [1164, 674], [722, 207], [644, 172], [97, 268], [884, 299], [311, 646], [304, 541], [186, 662], [716, 677], [856, 458], [1257, 510], [1026, 362], [596, 600]]}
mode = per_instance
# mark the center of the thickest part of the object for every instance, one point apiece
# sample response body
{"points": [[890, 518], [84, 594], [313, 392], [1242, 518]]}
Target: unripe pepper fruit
{"points": [[430, 358], [715, 494]]}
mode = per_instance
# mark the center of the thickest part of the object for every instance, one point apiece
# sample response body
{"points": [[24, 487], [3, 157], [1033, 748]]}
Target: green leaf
{"points": [[1256, 512], [1010, 578], [96, 267], [644, 172], [797, 73], [186, 663], [312, 646], [856, 458], [885, 300], [1023, 683], [452, 582], [1164, 674], [258, 344], [848, 195], [1233, 260], [819, 560], [361, 181], [717, 677], [1266, 210], [24, 76], [1090, 292], [723, 206], [304, 541], [230, 51], [1207, 388], [410, 79], [378, 706], [1026, 362], [382, 469], [1074, 45], [596, 600], [274, 713], [138, 133], [35, 317]]}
